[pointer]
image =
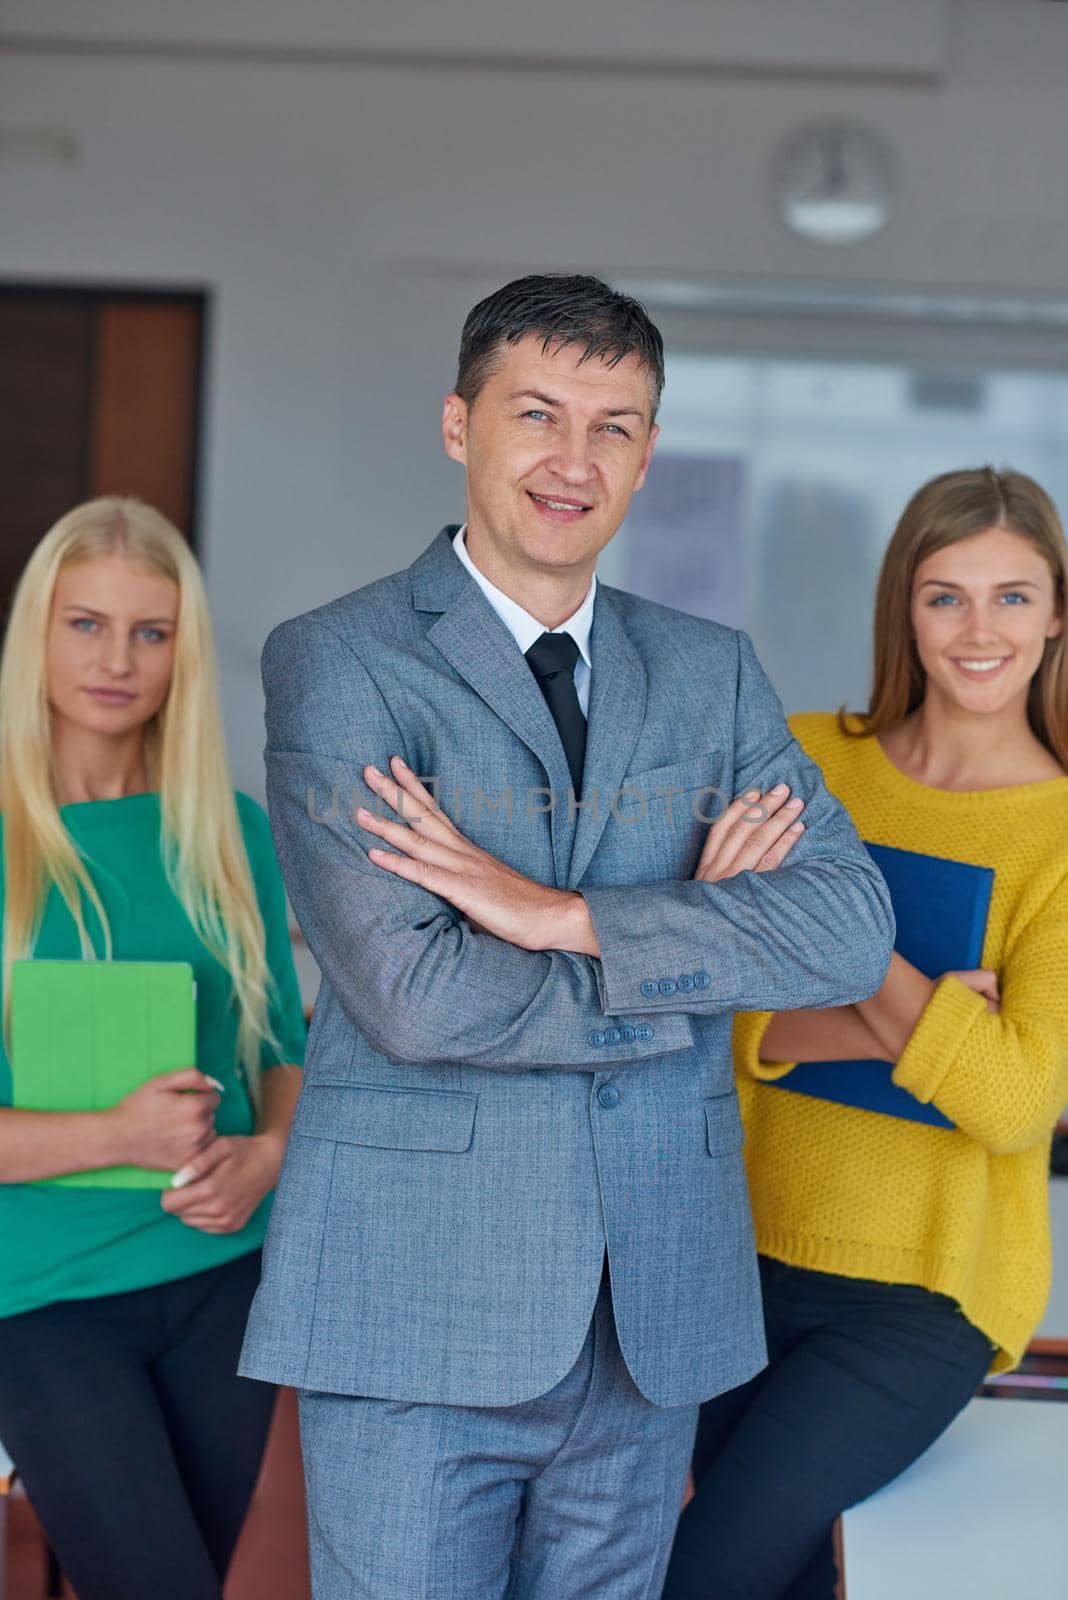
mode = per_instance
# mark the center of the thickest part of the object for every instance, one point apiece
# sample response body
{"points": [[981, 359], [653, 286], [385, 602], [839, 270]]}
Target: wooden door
{"points": [[99, 394]]}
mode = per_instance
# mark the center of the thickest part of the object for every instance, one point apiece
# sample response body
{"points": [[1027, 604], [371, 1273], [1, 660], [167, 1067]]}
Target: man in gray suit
{"points": [[511, 1248]]}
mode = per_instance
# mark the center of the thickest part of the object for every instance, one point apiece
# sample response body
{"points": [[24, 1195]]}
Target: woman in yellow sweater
{"points": [[902, 1258]]}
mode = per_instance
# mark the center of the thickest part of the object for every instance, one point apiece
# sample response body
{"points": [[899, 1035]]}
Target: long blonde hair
{"points": [[185, 757], [947, 509]]}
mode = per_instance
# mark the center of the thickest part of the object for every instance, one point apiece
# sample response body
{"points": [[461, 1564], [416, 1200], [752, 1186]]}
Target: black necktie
{"points": [[552, 660]]}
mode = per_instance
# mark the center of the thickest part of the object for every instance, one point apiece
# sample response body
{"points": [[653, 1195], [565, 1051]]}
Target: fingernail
{"points": [[362, 814], [795, 804], [214, 1083], [781, 788], [183, 1176], [796, 827], [375, 770], [750, 795]]}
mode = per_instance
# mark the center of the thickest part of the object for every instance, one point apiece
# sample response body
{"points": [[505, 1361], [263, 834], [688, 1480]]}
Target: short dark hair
{"points": [[560, 309]]}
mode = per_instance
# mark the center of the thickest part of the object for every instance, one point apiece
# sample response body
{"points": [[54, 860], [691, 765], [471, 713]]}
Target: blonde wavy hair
{"points": [[945, 510], [185, 758]]}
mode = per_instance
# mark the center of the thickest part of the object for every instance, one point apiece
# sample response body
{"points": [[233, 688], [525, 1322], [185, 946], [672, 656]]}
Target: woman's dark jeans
{"points": [[138, 1443], [861, 1378]]}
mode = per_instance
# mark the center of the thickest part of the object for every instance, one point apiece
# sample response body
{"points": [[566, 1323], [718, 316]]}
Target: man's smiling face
{"points": [[554, 447]]}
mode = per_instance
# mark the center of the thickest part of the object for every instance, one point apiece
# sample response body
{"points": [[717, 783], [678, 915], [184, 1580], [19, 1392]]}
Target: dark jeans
{"points": [[861, 1378], [138, 1444]]}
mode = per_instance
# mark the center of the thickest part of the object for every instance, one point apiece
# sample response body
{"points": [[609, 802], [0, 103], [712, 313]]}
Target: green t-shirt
{"points": [[72, 1244]]}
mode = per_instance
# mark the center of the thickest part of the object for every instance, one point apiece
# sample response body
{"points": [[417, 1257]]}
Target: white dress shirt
{"points": [[525, 629]]}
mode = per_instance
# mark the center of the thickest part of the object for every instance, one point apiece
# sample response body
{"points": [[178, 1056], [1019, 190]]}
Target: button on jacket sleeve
{"points": [[815, 932]]}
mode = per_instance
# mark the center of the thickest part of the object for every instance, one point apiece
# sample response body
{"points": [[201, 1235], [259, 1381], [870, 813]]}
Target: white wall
{"points": [[346, 214]]}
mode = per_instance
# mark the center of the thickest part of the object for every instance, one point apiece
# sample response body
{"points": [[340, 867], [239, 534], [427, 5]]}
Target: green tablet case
{"points": [[84, 1033]]}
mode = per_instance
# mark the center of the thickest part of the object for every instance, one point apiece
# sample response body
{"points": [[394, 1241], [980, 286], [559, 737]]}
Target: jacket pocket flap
{"points": [[389, 1119], [689, 776], [724, 1125]]}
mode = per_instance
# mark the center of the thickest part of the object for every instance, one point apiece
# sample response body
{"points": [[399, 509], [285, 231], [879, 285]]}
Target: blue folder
{"points": [[941, 909]]}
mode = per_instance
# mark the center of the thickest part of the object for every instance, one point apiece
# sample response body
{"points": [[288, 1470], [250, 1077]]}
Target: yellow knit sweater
{"points": [[961, 1211]]}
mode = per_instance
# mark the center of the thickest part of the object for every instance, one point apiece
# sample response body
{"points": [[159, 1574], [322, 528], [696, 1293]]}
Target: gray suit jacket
{"points": [[476, 1119]]}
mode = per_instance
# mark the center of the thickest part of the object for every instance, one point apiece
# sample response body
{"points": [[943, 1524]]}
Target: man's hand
{"points": [[219, 1189], [432, 852], [755, 834], [429, 850]]}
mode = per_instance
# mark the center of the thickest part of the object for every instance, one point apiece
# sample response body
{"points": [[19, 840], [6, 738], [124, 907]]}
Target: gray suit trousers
{"points": [[572, 1496]]}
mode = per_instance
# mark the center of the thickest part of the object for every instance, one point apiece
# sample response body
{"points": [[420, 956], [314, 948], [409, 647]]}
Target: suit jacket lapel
{"points": [[474, 640], [616, 713]]}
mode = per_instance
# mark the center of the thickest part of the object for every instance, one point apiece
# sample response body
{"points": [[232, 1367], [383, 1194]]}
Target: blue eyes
{"points": [[1012, 595], [609, 427], [90, 624]]}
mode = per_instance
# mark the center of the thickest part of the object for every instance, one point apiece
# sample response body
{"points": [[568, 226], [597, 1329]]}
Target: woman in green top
{"points": [[121, 1310]]}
